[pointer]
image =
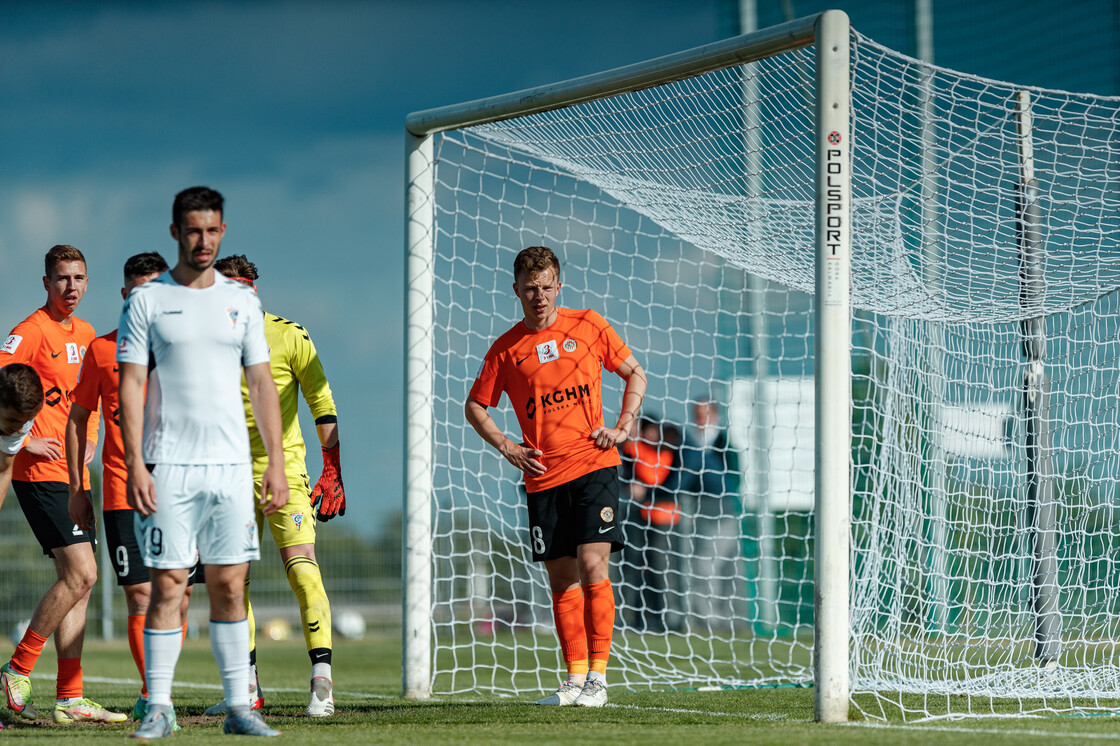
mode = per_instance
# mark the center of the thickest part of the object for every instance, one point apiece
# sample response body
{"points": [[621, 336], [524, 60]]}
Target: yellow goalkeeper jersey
{"points": [[295, 367]]}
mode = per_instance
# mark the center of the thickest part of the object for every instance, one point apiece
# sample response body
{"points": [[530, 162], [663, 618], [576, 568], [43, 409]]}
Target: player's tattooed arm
{"points": [[632, 397]]}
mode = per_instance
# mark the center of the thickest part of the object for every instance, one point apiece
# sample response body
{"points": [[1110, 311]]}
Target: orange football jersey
{"points": [[97, 389], [553, 379], [55, 352]]}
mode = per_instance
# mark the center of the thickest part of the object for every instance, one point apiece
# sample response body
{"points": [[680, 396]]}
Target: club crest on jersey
{"points": [[232, 313], [11, 343], [547, 351], [607, 514], [297, 518], [569, 345]]}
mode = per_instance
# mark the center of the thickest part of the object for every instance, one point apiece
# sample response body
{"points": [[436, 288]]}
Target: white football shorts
{"points": [[203, 512]]}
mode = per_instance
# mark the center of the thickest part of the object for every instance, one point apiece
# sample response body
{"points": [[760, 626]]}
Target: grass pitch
{"points": [[370, 710]]}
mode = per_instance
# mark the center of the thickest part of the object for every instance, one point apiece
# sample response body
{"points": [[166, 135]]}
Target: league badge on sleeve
{"points": [[11, 343]]}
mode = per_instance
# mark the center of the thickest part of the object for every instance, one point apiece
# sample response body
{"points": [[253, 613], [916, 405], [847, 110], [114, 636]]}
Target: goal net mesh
{"points": [[684, 214]]}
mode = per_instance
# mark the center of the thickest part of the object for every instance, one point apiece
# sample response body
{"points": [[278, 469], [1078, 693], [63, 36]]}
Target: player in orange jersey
{"points": [[550, 366], [53, 341], [97, 389]]}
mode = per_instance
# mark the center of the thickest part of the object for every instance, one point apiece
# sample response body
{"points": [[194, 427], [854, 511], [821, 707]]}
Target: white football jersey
{"points": [[10, 444], [194, 342]]}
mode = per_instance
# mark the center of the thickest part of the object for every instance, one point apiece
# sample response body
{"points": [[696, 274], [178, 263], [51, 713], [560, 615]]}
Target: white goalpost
{"points": [[901, 286]]}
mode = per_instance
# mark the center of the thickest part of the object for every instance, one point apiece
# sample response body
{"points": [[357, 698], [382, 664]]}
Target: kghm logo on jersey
{"points": [[559, 399], [297, 518], [232, 313]]}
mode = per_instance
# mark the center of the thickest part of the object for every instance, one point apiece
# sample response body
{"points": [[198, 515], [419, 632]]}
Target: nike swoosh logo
{"points": [[55, 354], [519, 362], [605, 529]]}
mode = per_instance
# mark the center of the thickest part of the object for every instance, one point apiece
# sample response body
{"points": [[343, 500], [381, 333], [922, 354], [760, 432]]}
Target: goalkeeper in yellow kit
{"points": [[295, 366]]}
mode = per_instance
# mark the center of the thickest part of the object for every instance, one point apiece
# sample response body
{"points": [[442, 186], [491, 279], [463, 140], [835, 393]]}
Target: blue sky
{"points": [[295, 112]]}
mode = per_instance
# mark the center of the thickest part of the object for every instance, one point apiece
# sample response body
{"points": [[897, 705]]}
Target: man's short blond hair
{"points": [[61, 253], [535, 259]]}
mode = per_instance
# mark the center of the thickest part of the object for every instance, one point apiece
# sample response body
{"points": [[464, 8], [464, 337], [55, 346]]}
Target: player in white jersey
{"points": [[187, 335]]}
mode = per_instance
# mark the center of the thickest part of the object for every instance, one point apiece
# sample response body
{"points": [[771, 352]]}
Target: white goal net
{"points": [[985, 551]]}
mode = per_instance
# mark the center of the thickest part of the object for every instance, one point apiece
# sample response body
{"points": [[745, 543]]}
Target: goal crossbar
{"points": [[737, 50]]}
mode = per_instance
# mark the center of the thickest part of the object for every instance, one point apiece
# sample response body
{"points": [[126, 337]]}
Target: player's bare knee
{"points": [[85, 579], [593, 569], [563, 573], [137, 597], [79, 577], [226, 593]]}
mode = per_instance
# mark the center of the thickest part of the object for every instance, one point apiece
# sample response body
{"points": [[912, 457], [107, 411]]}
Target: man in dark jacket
{"points": [[709, 490]]}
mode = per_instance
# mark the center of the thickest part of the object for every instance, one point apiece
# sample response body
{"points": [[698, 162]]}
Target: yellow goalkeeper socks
{"points": [[314, 607]]}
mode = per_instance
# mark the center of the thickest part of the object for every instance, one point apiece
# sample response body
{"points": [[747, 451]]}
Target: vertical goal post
{"points": [[829, 33]]}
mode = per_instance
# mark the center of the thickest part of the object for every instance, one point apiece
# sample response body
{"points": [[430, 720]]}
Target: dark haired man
{"points": [[295, 367], [21, 398], [186, 447], [97, 389], [53, 341], [550, 366]]}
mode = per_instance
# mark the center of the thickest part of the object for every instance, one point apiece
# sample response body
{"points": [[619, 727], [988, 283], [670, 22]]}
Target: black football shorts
{"points": [[582, 511], [46, 505]]}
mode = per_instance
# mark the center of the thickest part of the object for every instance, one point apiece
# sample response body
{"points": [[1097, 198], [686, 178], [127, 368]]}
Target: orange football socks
{"points": [[136, 645], [599, 622], [568, 611], [69, 684], [27, 652]]}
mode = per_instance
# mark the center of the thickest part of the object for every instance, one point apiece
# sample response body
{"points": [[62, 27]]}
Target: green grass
{"points": [[370, 710]]}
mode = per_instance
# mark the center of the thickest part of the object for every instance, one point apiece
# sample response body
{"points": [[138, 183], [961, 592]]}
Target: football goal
{"points": [[899, 284]]}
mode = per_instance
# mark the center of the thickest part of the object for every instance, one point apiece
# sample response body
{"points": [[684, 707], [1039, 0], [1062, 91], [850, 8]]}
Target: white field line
{"points": [[1079, 735], [216, 687], [682, 711]]}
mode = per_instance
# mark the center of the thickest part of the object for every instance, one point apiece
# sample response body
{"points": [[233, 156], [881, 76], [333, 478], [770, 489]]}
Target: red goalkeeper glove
{"points": [[329, 496]]}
